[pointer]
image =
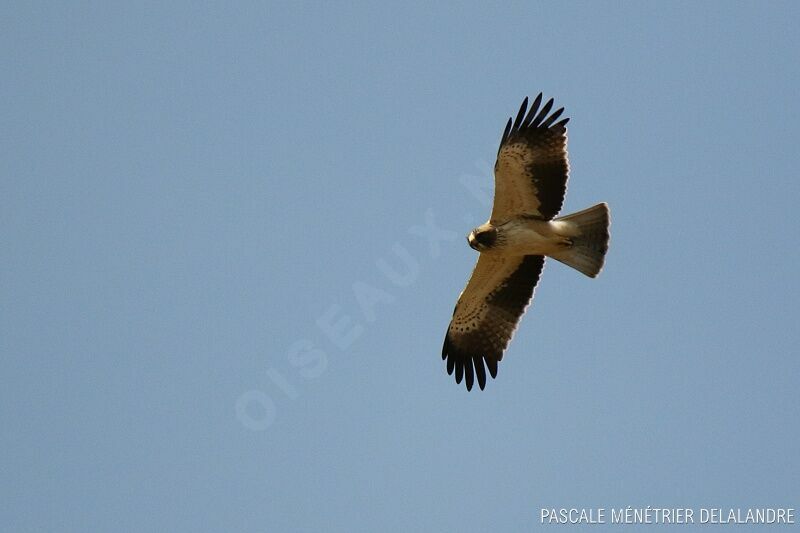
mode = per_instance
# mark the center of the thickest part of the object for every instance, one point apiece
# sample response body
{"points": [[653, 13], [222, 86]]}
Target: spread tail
{"points": [[588, 250]]}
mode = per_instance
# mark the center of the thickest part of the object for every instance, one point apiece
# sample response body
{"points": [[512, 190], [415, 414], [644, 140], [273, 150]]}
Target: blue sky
{"points": [[190, 193]]}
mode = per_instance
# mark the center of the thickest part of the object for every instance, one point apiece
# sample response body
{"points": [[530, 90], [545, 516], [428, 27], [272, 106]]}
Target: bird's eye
{"points": [[486, 237]]}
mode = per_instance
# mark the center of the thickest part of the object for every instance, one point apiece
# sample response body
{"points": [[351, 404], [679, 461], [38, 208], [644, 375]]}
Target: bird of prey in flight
{"points": [[530, 178]]}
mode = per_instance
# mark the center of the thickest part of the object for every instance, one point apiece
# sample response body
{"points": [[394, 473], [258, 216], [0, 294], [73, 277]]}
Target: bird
{"points": [[530, 177]]}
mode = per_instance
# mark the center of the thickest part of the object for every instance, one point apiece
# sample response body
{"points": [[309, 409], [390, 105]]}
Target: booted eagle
{"points": [[530, 178]]}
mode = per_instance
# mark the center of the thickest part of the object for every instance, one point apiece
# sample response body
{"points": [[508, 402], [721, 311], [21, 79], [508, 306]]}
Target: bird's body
{"points": [[530, 183], [524, 236]]}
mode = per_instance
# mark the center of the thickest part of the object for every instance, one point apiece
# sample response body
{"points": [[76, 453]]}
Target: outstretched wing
{"points": [[530, 174], [487, 313]]}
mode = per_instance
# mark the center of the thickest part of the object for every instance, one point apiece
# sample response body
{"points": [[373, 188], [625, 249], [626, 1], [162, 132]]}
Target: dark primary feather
{"points": [[521, 113], [532, 112], [543, 113], [553, 117], [470, 354]]}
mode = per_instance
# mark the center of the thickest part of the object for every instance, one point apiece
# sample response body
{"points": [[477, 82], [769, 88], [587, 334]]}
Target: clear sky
{"points": [[222, 309]]}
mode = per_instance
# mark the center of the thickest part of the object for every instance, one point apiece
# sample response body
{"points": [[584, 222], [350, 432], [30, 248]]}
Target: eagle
{"points": [[530, 178]]}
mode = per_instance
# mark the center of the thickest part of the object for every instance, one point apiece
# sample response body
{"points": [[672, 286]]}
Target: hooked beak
{"points": [[471, 240]]}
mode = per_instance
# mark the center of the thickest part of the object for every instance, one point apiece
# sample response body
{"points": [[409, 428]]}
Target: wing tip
{"points": [[468, 367], [536, 118]]}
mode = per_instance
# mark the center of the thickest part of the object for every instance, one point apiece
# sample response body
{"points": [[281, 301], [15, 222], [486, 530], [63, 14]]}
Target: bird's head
{"points": [[482, 238]]}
